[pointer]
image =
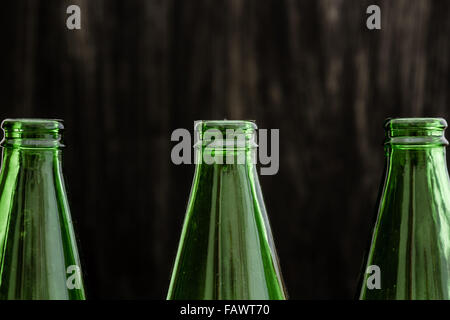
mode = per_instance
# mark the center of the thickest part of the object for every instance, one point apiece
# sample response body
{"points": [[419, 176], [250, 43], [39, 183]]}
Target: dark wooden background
{"points": [[140, 69]]}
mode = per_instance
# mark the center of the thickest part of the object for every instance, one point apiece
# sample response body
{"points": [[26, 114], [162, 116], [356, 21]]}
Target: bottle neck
{"points": [[416, 144], [31, 144], [417, 156], [225, 157], [33, 162], [402, 162]]}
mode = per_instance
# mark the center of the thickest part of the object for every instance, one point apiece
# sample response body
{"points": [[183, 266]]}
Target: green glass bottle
{"points": [[226, 251], [38, 253], [409, 257]]}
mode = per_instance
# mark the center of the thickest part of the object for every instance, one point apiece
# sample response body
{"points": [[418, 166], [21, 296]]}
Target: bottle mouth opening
{"points": [[225, 134], [416, 131], [32, 133]]}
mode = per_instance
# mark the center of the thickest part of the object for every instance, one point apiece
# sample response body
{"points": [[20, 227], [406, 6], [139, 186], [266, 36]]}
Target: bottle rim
{"points": [[32, 133], [415, 131], [202, 125], [225, 134], [26, 124], [425, 123]]}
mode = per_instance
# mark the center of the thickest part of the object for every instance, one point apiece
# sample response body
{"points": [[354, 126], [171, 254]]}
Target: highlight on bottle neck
{"points": [[415, 132], [32, 133]]}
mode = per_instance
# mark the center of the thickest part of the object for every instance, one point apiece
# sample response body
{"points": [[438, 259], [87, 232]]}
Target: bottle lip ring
{"points": [[416, 142], [202, 125], [416, 123], [32, 124]]}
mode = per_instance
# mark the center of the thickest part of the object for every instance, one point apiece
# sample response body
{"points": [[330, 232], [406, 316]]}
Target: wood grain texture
{"points": [[138, 69]]}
